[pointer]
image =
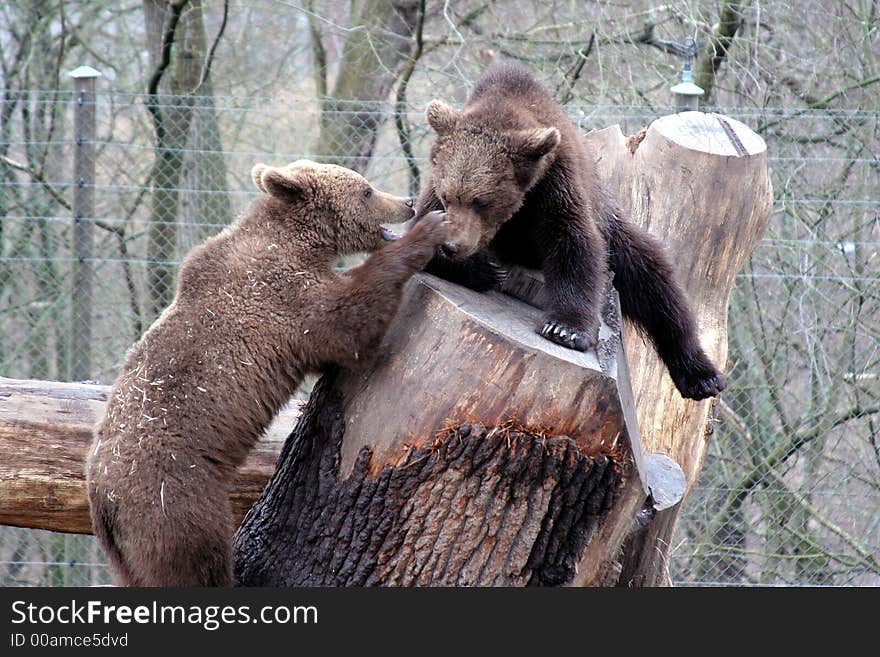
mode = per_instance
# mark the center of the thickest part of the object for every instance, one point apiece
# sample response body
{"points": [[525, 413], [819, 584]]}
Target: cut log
{"points": [[471, 452], [483, 362], [45, 431], [700, 183]]}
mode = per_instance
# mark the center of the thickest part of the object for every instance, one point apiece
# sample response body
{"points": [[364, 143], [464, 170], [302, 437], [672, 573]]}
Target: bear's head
{"points": [[341, 203], [482, 174]]}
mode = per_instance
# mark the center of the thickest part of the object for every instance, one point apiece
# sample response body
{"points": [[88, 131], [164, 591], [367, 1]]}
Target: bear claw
{"points": [[700, 380], [566, 336], [703, 387]]}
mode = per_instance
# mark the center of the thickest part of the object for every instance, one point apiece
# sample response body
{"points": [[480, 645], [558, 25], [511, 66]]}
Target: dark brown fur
{"points": [[518, 182], [257, 307]]}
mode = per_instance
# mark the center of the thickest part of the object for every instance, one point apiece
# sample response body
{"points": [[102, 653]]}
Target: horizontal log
{"points": [[45, 432]]}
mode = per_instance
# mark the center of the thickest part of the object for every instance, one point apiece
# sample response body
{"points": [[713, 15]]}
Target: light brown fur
{"points": [[257, 307]]}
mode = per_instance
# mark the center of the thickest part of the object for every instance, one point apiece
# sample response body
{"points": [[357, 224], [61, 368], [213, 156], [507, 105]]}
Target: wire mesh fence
{"points": [[790, 491]]}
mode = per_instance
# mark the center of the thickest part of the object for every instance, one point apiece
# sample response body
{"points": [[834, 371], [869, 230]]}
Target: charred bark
{"points": [[481, 507]]}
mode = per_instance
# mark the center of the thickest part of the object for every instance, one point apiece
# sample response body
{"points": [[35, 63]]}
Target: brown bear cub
{"points": [[257, 307], [518, 183]]}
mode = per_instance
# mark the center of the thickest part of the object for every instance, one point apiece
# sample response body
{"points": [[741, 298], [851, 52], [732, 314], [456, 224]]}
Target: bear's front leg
{"points": [[479, 272], [359, 307], [574, 274]]}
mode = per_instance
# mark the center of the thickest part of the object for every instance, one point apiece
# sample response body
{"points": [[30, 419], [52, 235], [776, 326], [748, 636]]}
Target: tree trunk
{"points": [[729, 23], [371, 58], [700, 183], [206, 171], [209, 203], [172, 118]]}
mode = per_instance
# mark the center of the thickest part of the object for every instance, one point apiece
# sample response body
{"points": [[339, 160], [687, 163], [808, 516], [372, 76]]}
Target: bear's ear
{"points": [[536, 143], [288, 183], [257, 175], [442, 117]]}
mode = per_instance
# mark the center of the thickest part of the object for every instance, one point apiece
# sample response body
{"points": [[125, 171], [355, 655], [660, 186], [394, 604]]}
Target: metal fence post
{"points": [[83, 225]]}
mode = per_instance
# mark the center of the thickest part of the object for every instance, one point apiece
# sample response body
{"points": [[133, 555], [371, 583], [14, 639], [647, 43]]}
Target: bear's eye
{"points": [[368, 192], [480, 203]]}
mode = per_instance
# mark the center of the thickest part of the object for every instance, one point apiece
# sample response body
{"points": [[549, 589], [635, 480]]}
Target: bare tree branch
{"points": [[766, 466], [812, 102], [575, 73], [209, 60], [39, 177], [719, 43], [400, 121]]}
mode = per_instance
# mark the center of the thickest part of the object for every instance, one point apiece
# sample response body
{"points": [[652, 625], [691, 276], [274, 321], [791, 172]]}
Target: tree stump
{"points": [[470, 452], [700, 183], [474, 452]]}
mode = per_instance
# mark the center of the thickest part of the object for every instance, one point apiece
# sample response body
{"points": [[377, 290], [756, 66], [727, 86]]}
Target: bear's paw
{"points": [[700, 383]]}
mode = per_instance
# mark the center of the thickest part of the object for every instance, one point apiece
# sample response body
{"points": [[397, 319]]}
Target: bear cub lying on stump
{"points": [[257, 307], [518, 182]]}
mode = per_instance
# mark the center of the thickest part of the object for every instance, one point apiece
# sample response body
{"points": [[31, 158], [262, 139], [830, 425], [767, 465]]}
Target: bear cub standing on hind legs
{"points": [[517, 181], [257, 307]]}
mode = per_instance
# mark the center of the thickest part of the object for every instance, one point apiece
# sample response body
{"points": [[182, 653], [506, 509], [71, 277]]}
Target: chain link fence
{"points": [[790, 491]]}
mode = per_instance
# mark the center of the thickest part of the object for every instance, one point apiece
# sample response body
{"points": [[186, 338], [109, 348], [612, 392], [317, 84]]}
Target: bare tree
{"points": [[376, 45], [181, 67]]}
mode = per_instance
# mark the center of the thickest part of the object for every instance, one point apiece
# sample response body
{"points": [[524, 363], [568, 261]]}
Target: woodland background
{"points": [[194, 92]]}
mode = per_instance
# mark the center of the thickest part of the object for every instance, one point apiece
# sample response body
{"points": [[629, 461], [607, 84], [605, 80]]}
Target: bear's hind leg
{"points": [[651, 297], [190, 557], [103, 513]]}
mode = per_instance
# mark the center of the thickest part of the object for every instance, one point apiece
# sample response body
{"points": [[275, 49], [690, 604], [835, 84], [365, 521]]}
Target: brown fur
{"points": [[257, 307], [518, 182]]}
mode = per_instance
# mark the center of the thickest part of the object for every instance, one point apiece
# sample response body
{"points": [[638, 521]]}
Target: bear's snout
{"points": [[400, 209], [465, 235]]}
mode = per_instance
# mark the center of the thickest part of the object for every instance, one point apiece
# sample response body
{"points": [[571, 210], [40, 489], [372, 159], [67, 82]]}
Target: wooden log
{"points": [[45, 431], [700, 183], [453, 355], [471, 452]]}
